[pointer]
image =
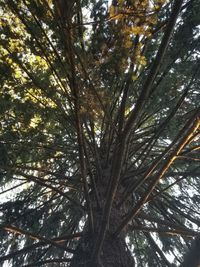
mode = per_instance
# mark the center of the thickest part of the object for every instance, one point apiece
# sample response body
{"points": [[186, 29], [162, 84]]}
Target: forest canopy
{"points": [[99, 133]]}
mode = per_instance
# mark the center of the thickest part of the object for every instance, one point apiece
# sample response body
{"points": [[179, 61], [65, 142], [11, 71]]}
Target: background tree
{"points": [[99, 109]]}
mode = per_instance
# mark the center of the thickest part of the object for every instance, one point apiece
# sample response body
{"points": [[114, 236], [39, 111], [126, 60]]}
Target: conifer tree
{"points": [[99, 147]]}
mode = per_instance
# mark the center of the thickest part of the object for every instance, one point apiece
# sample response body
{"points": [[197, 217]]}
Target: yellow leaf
{"points": [[128, 43], [137, 30], [17, 74], [120, 2], [142, 60], [112, 11], [35, 121], [134, 77]]}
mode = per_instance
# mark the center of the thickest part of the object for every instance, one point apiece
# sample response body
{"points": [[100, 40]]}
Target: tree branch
{"points": [[50, 261], [58, 240], [188, 130], [192, 258], [134, 117], [15, 230]]}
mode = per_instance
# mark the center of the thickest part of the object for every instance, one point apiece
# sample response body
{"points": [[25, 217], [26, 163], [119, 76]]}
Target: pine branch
{"points": [[130, 124], [58, 240], [22, 251], [43, 183], [15, 230], [192, 258], [188, 131], [162, 222], [134, 117], [157, 249], [164, 231], [50, 261], [12, 188], [14, 9]]}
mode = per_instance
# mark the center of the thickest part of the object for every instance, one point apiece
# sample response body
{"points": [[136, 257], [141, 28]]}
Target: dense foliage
{"points": [[99, 108]]}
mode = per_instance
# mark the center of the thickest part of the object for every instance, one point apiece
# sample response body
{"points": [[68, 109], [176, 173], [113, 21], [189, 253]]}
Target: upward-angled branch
{"points": [[43, 183], [79, 125], [24, 250], [50, 261], [157, 249], [188, 131], [133, 187], [13, 229], [134, 117], [15, 10]]}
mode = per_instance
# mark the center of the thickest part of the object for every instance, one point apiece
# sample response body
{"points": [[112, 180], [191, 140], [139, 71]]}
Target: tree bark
{"points": [[114, 253]]}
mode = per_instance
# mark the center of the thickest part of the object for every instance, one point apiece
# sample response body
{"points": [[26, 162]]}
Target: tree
{"points": [[99, 143], [192, 257]]}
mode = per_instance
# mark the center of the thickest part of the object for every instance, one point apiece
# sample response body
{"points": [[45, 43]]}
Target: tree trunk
{"points": [[115, 252]]}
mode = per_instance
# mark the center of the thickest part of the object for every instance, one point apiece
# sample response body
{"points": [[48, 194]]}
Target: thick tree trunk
{"points": [[114, 253]]}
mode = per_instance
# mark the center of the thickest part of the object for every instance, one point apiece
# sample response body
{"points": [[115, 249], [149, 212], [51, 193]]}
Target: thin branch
{"points": [[134, 117], [55, 189], [58, 240], [131, 123], [22, 251], [15, 230], [79, 126], [170, 232], [167, 188], [162, 222], [14, 187], [50, 261], [190, 130], [192, 258], [157, 249]]}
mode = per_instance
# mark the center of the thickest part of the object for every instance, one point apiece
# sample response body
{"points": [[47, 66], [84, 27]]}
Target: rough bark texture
{"points": [[114, 253]]}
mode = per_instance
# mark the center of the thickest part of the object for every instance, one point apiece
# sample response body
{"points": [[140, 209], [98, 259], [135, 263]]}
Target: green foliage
{"points": [[91, 117]]}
